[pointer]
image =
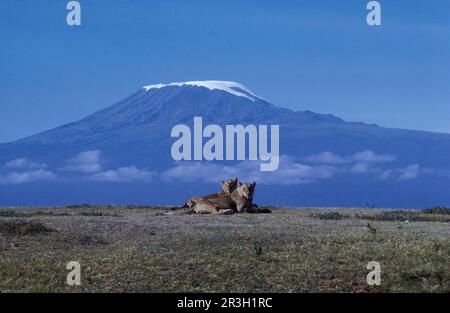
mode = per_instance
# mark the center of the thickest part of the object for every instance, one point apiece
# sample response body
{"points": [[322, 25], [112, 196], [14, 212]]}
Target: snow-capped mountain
{"points": [[121, 154]]}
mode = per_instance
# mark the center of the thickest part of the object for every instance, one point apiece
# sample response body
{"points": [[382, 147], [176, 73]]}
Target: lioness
{"points": [[208, 207], [240, 200], [228, 186]]}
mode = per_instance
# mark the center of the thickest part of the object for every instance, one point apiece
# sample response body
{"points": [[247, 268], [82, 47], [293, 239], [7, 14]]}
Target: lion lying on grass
{"points": [[228, 186], [228, 201]]}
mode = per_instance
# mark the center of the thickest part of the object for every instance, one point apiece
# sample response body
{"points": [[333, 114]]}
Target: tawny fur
{"points": [[207, 207], [240, 200], [228, 186]]}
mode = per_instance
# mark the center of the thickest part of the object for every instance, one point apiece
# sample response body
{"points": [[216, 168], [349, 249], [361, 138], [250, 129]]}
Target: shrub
{"points": [[437, 210], [258, 250], [330, 216], [20, 228], [12, 214], [405, 216]]}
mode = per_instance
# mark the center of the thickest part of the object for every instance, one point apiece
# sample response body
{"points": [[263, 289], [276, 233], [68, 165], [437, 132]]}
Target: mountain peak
{"points": [[227, 86]]}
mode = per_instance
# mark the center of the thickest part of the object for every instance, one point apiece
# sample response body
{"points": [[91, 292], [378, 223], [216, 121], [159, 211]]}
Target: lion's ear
{"points": [[240, 184]]}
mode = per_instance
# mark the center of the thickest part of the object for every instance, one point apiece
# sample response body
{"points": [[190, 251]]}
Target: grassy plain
{"points": [[155, 249]]}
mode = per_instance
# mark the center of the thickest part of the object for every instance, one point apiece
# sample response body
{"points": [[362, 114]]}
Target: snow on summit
{"points": [[230, 87]]}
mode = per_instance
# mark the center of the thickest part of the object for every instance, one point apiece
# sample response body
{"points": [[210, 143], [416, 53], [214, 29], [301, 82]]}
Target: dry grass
{"points": [[153, 249]]}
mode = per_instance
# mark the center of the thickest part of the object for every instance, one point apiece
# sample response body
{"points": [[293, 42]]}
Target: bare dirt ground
{"points": [[154, 249]]}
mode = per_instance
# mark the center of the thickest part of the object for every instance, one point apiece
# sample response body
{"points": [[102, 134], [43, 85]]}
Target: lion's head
{"points": [[246, 190], [229, 185]]}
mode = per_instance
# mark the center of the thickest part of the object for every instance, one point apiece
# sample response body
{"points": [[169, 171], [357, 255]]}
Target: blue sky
{"points": [[306, 55]]}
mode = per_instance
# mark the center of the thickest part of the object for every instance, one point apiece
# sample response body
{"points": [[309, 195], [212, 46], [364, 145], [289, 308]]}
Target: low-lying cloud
{"points": [[24, 170], [87, 165], [26, 177], [123, 174], [372, 157], [325, 165], [406, 173], [89, 162], [24, 163], [368, 163], [84, 162], [289, 172], [368, 156]]}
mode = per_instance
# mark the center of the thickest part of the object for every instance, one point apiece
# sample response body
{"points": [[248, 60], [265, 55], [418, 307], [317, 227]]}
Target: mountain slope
{"points": [[325, 160]]}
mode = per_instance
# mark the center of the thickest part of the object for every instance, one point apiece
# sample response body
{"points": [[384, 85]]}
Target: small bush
{"points": [[78, 206], [437, 210], [258, 250], [21, 228], [86, 240], [404, 216], [330, 216], [97, 213], [434, 277], [91, 213], [400, 212], [12, 214]]}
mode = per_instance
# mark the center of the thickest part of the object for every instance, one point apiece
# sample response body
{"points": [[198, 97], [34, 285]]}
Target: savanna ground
{"points": [[154, 249]]}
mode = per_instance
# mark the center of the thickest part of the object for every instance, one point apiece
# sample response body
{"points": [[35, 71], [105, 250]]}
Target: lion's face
{"points": [[246, 190], [229, 185]]}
